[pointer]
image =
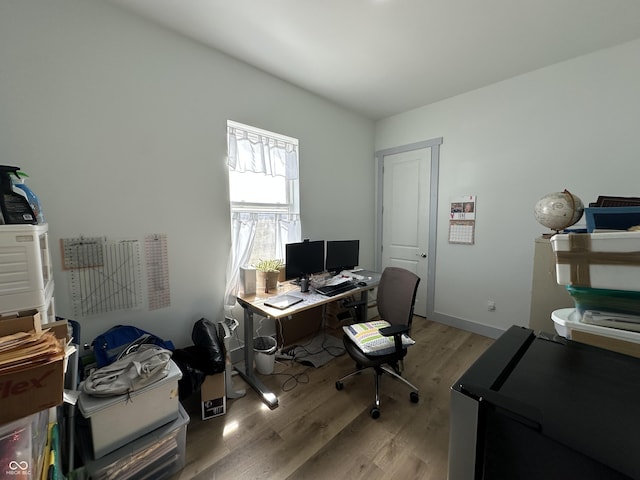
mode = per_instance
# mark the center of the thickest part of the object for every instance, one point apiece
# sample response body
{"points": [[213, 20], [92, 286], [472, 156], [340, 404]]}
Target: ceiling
{"points": [[383, 57]]}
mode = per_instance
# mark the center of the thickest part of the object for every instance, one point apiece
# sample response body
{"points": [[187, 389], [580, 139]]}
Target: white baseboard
{"points": [[480, 329]]}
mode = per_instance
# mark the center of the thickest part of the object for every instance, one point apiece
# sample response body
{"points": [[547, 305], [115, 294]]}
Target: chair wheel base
{"points": [[414, 397], [339, 386], [375, 413]]}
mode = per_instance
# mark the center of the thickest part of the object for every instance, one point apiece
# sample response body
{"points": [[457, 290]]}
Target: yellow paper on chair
{"points": [[369, 339]]}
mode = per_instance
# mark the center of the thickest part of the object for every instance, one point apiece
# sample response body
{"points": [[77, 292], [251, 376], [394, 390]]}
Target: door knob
{"points": [[423, 255]]}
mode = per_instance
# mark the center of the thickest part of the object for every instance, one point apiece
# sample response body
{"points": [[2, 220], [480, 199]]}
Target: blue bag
{"points": [[110, 344]]}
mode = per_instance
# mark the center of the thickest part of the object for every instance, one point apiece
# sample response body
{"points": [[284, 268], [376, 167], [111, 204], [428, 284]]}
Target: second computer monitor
{"points": [[342, 255], [304, 259]]}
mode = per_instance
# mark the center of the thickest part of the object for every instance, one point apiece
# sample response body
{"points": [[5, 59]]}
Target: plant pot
{"points": [[266, 281]]}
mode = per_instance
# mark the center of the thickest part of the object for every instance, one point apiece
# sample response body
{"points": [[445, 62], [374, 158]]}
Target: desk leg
{"points": [[246, 371], [363, 313]]}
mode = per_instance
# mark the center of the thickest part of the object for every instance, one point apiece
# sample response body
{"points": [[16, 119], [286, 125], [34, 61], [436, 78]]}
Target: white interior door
{"points": [[405, 215]]}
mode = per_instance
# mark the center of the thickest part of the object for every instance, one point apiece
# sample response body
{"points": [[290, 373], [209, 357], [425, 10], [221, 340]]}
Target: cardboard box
{"points": [[292, 330], [21, 322], [32, 388], [337, 316], [213, 398], [60, 328], [608, 343]]}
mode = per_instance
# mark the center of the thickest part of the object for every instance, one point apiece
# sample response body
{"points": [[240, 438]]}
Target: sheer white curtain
{"points": [[243, 231], [287, 231], [259, 152], [252, 152]]}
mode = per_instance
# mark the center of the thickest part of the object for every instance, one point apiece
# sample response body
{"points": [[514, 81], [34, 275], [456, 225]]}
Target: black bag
{"points": [[206, 357], [211, 357], [188, 359]]}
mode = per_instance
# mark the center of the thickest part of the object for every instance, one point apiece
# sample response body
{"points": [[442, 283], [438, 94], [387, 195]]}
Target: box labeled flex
{"points": [[30, 390], [27, 388]]}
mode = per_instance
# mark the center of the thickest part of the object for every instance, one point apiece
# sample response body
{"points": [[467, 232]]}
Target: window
{"points": [[264, 197]]}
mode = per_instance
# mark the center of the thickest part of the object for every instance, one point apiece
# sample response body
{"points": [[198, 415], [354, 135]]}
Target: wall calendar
{"points": [[462, 220]]}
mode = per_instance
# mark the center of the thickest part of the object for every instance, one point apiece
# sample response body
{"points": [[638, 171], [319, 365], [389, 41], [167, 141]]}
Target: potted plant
{"points": [[267, 273]]}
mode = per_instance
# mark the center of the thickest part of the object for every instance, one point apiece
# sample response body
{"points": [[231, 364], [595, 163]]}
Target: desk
{"points": [[254, 304]]}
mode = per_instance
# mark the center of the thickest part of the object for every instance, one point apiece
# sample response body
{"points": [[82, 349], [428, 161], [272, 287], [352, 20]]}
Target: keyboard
{"points": [[332, 290]]}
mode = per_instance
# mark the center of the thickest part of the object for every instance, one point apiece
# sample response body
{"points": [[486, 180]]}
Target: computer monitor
{"points": [[304, 259], [342, 255]]}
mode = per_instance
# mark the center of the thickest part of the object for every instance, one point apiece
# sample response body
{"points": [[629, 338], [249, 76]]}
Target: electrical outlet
{"points": [[491, 305]]}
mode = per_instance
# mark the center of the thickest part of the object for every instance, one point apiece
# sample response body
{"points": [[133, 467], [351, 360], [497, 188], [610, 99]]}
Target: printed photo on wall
{"points": [[462, 220], [463, 208]]}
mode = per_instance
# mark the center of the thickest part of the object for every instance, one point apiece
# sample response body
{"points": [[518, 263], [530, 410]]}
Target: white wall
{"points": [[573, 125], [121, 126]]}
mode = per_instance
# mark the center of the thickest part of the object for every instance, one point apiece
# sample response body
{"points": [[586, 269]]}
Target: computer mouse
{"points": [[362, 284]]}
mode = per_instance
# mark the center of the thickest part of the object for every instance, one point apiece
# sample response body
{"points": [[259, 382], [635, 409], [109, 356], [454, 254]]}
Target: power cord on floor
{"points": [[300, 350], [293, 379]]}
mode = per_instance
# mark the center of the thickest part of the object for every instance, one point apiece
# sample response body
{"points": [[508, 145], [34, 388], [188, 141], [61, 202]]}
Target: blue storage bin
{"points": [[611, 218]]}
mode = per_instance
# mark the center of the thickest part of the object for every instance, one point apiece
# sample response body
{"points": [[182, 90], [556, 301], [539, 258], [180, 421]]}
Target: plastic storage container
{"points": [[620, 301], [611, 218], [116, 421], [47, 311], [22, 445], [26, 279], [567, 323], [608, 260], [158, 454]]}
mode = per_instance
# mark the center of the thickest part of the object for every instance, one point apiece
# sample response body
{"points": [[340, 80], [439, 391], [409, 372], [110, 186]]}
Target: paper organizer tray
{"points": [[115, 421]]}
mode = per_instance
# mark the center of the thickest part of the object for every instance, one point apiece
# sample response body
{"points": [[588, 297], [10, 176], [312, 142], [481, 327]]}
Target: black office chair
{"points": [[395, 301]]}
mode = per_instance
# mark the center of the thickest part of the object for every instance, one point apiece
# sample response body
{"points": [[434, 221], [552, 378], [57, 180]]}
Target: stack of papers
{"points": [[612, 320], [28, 349]]}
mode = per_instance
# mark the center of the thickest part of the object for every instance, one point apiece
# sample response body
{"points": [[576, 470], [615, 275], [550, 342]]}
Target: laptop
{"points": [[282, 302]]}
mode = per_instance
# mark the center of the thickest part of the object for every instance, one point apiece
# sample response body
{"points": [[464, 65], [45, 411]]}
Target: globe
{"points": [[559, 210]]}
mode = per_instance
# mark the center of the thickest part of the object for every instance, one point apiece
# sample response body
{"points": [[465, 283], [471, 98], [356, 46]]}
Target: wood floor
{"points": [[317, 432]]}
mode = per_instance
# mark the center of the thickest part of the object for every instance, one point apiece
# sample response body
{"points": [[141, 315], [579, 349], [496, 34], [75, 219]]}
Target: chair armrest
{"points": [[396, 332], [393, 330]]}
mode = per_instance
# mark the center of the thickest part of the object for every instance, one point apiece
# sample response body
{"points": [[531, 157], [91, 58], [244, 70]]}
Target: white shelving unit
{"points": [[26, 283], [26, 279]]}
